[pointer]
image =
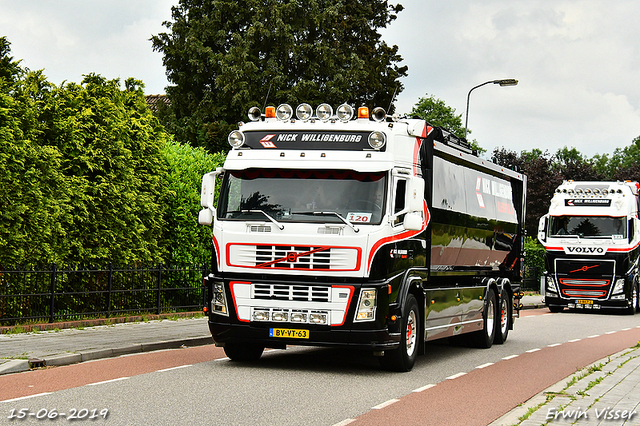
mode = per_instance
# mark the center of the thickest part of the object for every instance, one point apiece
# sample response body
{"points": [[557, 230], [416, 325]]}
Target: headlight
{"points": [[284, 112], [551, 285], [377, 140], [219, 301], [324, 112], [304, 112], [236, 139], [367, 305], [345, 112], [619, 287]]}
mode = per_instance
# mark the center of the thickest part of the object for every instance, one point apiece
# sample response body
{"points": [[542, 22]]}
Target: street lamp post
{"points": [[504, 82]]}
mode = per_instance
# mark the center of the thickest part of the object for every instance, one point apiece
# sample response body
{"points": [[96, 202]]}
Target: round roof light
{"points": [[377, 140], [236, 139], [304, 112], [345, 112], [324, 112], [254, 113], [284, 112]]}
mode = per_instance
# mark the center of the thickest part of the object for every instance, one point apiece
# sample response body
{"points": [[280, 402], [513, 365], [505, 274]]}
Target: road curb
{"points": [[20, 365]]}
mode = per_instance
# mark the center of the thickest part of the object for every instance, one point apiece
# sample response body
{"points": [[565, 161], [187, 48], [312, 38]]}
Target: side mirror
{"points": [[205, 217], [413, 221], [542, 229], [207, 197]]}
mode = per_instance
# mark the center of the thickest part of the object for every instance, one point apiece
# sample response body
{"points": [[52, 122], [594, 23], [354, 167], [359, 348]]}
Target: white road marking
{"points": [[174, 368], [26, 397], [424, 388], [484, 365], [385, 404], [455, 376], [107, 381]]}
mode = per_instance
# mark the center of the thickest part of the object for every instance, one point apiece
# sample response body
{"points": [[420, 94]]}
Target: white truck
{"points": [[591, 237], [378, 233]]}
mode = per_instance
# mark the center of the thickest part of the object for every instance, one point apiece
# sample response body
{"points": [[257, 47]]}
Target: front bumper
{"points": [[585, 304], [374, 339]]}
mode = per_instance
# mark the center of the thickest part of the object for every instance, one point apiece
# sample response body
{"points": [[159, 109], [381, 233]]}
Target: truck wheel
{"points": [[243, 351], [504, 315], [634, 300], [556, 309], [404, 358], [484, 338]]}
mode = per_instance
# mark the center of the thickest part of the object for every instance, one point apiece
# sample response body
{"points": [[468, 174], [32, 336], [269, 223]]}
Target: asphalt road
{"points": [[315, 386]]}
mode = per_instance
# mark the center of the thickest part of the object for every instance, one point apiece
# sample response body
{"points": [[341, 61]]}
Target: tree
{"points": [[435, 112], [223, 57], [186, 240], [81, 170], [573, 165]]}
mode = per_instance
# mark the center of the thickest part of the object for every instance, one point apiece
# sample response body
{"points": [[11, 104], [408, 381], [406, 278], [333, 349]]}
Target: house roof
{"points": [[154, 100]]}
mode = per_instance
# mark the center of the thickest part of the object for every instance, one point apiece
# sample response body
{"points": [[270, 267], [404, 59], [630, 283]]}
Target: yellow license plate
{"points": [[584, 302], [288, 333]]}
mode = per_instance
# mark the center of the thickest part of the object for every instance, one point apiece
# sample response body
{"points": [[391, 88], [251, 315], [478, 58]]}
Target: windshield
{"points": [[303, 195], [588, 226]]}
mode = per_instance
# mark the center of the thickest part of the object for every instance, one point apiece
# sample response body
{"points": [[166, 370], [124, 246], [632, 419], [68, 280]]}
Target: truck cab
{"points": [[591, 237]]}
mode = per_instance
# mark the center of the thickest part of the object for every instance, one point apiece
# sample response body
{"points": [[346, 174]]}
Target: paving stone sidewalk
{"points": [[607, 393]]}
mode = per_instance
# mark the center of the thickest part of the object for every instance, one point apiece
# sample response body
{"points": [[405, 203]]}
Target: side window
{"points": [[400, 197]]}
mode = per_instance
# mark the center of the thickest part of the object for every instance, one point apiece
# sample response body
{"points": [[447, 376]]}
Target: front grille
{"points": [[305, 258], [585, 278], [291, 292]]}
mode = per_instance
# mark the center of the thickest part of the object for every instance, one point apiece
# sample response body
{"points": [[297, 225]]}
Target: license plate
{"points": [[288, 333], [584, 302]]}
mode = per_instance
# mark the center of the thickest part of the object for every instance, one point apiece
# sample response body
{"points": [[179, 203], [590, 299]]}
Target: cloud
{"points": [[577, 63]]}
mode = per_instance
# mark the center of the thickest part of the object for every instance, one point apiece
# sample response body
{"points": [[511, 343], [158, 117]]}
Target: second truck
{"points": [[591, 237]]}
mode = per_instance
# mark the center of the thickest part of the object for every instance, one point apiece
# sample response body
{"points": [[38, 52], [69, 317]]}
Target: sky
{"points": [[577, 61]]}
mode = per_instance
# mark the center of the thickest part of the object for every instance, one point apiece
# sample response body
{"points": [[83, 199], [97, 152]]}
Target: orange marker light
{"points": [[270, 112], [363, 112]]}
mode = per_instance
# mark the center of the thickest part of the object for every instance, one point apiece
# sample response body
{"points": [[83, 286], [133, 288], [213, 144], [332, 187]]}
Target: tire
{"points": [[556, 309], [505, 307], [631, 310], [485, 337], [243, 351], [404, 357]]}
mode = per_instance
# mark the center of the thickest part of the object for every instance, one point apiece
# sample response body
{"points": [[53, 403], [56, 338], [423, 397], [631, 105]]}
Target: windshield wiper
{"points": [[278, 224], [338, 215]]}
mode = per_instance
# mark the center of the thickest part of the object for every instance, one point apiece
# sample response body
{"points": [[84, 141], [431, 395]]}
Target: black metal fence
{"points": [[57, 293]]}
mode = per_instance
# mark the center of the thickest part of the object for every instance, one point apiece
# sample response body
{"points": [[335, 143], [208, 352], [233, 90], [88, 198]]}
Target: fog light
{"points": [[317, 318], [280, 316], [298, 317], [260, 315]]}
